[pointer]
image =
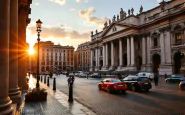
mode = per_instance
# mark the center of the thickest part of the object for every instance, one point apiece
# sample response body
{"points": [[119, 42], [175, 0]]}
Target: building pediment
{"points": [[114, 28]]}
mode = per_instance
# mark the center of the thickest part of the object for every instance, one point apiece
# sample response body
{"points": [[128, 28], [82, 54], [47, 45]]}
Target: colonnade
{"points": [[13, 22]]}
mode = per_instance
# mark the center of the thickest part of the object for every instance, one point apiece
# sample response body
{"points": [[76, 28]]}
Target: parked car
{"points": [[136, 83], [112, 84], [82, 75], [71, 74], [182, 85], [95, 75], [146, 74], [175, 79]]}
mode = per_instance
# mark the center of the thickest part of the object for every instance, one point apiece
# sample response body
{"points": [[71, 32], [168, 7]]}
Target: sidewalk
{"points": [[56, 104]]}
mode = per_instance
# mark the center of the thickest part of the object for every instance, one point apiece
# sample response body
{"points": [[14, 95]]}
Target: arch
{"points": [[156, 61], [177, 62]]}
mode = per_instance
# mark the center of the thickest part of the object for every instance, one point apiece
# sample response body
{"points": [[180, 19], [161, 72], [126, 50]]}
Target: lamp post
{"points": [[38, 39]]}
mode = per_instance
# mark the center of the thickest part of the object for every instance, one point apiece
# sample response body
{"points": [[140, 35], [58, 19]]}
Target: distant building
{"points": [[54, 58], [83, 57]]}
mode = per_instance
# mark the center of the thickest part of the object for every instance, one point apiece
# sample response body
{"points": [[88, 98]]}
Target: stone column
{"points": [[112, 55], [104, 59], [148, 51], [5, 102], [120, 54], [128, 51], [14, 92], [22, 51], [106, 47], [162, 48], [168, 47], [96, 58], [143, 51], [132, 51]]}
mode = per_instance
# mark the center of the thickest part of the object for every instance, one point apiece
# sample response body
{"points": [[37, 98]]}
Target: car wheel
{"points": [[133, 88], [147, 90], [99, 87], [108, 90], [123, 91]]}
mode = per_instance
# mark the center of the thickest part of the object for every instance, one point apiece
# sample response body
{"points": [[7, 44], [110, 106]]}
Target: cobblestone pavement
{"points": [[56, 104]]}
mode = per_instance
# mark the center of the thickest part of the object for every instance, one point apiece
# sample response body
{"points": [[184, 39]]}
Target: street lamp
{"points": [[38, 39]]}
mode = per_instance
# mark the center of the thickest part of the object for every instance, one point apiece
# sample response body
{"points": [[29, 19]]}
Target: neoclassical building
{"points": [[152, 41], [14, 18], [83, 57], [53, 58]]}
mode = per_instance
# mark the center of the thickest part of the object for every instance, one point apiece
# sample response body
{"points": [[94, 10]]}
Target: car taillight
{"points": [[139, 82]]}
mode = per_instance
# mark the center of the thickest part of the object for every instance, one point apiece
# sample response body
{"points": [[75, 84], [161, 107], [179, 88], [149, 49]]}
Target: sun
{"points": [[31, 51]]}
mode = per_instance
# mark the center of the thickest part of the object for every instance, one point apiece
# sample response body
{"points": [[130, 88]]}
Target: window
{"points": [[178, 38], [155, 41]]}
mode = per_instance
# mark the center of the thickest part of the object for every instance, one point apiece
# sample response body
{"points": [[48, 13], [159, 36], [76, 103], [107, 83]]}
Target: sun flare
{"points": [[31, 51]]}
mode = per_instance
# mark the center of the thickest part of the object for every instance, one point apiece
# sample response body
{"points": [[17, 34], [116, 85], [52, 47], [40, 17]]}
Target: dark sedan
{"points": [[175, 79], [135, 83]]}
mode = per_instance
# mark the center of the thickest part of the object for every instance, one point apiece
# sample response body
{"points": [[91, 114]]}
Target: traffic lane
{"points": [[135, 102], [100, 100]]}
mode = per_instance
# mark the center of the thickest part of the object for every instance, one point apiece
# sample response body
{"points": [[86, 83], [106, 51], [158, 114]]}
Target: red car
{"points": [[112, 84]]}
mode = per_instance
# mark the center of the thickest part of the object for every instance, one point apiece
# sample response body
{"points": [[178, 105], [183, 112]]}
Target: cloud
{"points": [[61, 2], [87, 14], [159, 1], [60, 33], [72, 9], [82, 0], [36, 3]]}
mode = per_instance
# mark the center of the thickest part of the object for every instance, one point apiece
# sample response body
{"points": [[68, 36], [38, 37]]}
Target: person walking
{"points": [[156, 79], [165, 75]]}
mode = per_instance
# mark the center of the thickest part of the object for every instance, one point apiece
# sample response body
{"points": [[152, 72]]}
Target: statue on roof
{"points": [[132, 10], [129, 12], [96, 31], [117, 17], [141, 9], [105, 24], [114, 18], [121, 14], [91, 33], [109, 21]]}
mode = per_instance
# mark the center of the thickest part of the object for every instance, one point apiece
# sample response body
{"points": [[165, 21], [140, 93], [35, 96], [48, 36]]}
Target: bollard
{"points": [[41, 78], [70, 92], [54, 83], [48, 82], [45, 79]]}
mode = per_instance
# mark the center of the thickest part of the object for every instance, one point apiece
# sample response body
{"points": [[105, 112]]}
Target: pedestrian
{"points": [[165, 75], [156, 79], [69, 80]]}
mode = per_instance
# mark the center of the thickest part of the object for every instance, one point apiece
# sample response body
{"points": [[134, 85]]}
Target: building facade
{"points": [[83, 57], [152, 41], [54, 58]]}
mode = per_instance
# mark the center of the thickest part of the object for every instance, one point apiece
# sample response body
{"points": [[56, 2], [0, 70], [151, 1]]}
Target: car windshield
{"points": [[142, 79], [116, 80]]}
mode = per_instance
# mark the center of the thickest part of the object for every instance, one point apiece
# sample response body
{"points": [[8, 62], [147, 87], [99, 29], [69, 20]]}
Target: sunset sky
{"points": [[70, 22]]}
